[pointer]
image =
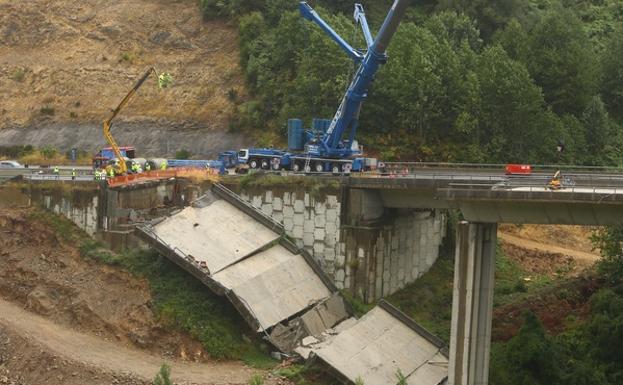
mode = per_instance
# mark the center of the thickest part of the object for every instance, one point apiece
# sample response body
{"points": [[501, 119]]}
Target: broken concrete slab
{"points": [[274, 285], [378, 345], [218, 234]]}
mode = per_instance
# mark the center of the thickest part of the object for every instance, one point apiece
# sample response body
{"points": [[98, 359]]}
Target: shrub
{"points": [[164, 376], [257, 380], [18, 75], [47, 110], [183, 154]]}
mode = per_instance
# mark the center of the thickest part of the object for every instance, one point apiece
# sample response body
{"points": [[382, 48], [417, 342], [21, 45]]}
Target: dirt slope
{"points": [[64, 64], [109, 357], [549, 249], [67, 320]]}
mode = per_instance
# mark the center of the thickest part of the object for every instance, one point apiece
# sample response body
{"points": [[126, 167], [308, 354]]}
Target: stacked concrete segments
{"points": [[281, 291], [236, 255]]}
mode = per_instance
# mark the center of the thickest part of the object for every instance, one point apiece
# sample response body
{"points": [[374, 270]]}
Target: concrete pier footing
{"points": [[472, 305]]}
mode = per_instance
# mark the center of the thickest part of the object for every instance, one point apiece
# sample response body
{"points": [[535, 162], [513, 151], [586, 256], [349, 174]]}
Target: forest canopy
{"points": [[466, 81]]}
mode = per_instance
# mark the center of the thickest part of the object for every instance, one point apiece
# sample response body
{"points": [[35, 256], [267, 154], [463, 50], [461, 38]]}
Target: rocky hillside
{"points": [[64, 64]]}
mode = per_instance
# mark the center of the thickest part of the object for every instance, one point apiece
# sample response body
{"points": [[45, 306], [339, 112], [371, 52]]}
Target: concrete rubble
{"points": [[240, 252]]}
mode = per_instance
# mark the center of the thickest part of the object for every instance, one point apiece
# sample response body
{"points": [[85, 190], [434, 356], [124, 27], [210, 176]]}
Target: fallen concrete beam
{"points": [[379, 346]]}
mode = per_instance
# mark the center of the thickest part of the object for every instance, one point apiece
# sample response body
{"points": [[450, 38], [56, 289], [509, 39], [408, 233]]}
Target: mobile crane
{"points": [[120, 167], [331, 151]]}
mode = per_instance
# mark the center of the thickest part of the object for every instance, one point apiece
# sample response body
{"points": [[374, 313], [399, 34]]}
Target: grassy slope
{"points": [[429, 299], [180, 301]]}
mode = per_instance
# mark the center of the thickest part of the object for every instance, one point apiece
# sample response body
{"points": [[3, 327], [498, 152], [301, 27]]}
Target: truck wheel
{"points": [[276, 164], [296, 166], [318, 167], [335, 169], [265, 164], [307, 168], [253, 163], [346, 167]]}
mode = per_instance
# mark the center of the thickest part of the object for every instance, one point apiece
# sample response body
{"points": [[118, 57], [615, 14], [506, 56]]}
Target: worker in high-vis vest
{"points": [[56, 171], [163, 165], [147, 166], [73, 174]]}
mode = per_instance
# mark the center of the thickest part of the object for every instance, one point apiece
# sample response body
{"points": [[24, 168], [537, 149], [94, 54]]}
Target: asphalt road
{"points": [[493, 177]]}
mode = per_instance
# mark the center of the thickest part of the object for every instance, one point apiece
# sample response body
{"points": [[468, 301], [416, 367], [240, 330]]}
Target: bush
{"points": [[183, 154], [164, 376], [257, 380], [47, 110], [18, 75], [608, 241], [49, 152]]}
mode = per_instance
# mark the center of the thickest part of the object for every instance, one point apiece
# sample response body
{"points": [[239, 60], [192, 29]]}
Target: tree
{"points": [[609, 240], [514, 125], [489, 14], [529, 358], [612, 74], [561, 62], [602, 142]]}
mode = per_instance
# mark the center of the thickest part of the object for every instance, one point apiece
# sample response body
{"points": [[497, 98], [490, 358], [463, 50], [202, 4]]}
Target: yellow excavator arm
{"points": [[163, 81]]}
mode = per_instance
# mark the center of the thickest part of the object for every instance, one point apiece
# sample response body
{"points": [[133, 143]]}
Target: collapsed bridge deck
{"points": [[239, 252]]}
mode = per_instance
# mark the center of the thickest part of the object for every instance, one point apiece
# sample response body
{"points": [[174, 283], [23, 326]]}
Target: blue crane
{"points": [[331, 151], [346, 118]]}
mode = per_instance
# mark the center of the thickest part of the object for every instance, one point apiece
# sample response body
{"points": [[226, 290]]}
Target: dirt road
{"points": [[581, 257], [111, 357]]}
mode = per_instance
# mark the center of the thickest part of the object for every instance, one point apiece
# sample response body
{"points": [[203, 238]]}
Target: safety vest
{"points": [[147, 166], [111, 172], [73, 172], [163, 165], [56, 171]]}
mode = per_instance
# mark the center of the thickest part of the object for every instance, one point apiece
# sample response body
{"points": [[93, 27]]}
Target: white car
{"points": [[10, 164]]}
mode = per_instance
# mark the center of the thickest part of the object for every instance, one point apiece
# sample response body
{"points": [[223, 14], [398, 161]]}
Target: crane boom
{"points": [[347, 115], [123, 168]]}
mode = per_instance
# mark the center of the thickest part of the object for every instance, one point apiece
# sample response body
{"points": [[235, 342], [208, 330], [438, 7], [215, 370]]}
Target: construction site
{"points": [[168, 246]]}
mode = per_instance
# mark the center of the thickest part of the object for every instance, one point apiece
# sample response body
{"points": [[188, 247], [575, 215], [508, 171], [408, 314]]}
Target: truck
{"points": [[102, 158], [330, 144]]}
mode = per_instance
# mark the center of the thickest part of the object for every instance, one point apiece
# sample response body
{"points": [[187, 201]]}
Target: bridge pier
{"points": [[472, 303]]}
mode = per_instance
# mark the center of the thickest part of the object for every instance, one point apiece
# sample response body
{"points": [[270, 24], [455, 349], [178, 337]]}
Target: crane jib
{"points": [[347, 114]]}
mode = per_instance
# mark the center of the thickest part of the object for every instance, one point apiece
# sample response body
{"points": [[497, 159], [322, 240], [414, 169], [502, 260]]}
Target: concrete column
{"points": [[472, 303]]}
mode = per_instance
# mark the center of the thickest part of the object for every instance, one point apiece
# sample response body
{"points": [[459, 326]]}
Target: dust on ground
{"points": [[553, 250], [64, 319], [72, 61]]}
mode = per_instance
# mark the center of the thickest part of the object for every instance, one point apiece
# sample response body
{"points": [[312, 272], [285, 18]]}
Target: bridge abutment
{"points": [[367, 248], [472, 303]]}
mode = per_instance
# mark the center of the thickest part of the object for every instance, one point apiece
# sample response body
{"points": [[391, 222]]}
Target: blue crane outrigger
{"points": [[330, 151]]}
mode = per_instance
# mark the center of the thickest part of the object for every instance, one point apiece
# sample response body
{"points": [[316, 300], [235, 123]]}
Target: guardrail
{"points": [[601, 190]]}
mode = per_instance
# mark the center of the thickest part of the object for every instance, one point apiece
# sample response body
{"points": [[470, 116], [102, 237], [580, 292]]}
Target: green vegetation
{"points": [[183, 154], [180, 301], [257, 380], [429, 300], [311, 184], [187, 304], [18, 75], [16, 151], [473, 81], [164, 376], [47, 110]]}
